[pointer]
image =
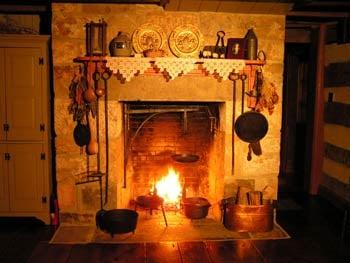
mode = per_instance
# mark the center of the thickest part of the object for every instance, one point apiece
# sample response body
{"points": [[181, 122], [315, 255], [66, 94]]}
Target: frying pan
{"points": [[185, 158], [250, 126], [81, 134]]}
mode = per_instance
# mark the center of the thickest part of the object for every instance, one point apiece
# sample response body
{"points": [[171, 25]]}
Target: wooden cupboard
{"points": [[25, 184]]}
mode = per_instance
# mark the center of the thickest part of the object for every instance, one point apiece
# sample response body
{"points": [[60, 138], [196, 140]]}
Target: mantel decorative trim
{"points": [[127, 67]]}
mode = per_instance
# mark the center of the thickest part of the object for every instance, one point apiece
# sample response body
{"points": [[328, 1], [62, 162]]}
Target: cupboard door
{"points": [[23, 93], [26, 178], [2, 95], [4, 184]]}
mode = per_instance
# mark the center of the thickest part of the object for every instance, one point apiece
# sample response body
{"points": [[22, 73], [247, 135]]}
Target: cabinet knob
{"points": [[44, 199]]}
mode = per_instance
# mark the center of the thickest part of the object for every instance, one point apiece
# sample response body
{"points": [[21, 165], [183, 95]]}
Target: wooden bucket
{"points": [[249, 218]]}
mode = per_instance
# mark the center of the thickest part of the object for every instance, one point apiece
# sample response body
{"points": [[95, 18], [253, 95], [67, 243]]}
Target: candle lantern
{"points": [[96, 38]]}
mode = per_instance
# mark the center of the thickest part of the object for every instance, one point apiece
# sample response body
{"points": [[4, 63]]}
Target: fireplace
{"points": [[156, 132], [206, 102]]}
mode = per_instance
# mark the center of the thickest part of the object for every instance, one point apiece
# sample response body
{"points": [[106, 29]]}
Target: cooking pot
{"points": [[150, 201], [196, 207], [116, 221], [251, 126]]}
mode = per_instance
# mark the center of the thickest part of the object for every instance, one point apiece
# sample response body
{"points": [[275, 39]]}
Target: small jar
{"points": [[120, 46]]}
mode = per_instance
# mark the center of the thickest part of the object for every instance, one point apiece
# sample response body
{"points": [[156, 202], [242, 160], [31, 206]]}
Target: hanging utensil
{"points": [[219, 49], [105, 76], [185, 158], [92, 147], [81, 134], [89, 93], [233, 77], [250, 126]]}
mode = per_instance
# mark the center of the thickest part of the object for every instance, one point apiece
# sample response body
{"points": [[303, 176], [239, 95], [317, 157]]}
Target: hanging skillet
{"points": [[250, 126], [81, 134], [185, 158]]}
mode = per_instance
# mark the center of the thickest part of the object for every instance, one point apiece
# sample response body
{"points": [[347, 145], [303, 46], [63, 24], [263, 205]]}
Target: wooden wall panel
{"points": [[336, 162]]}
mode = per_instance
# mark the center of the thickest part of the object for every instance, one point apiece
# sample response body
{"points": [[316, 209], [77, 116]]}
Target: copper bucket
{"points": [[249, 218]]}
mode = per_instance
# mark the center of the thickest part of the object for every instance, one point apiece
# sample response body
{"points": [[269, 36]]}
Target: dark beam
{"points": [[317, 143], [23, 9], [337, 113], [337, 154], [318, 14], [337, 75], [158, 2]]}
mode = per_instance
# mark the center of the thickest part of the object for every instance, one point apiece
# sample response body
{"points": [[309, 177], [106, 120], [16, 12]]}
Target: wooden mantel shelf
{"points": [[171, 67], [200, 61]]}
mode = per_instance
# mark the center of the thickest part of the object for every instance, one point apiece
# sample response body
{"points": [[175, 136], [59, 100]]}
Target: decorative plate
{"points": [[148, 36], [185, 41]]}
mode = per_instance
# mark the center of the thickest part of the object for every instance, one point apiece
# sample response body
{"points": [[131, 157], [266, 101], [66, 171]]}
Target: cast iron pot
{"points": [[251, 126], [149, 201], [196, 207], [116, 221]]}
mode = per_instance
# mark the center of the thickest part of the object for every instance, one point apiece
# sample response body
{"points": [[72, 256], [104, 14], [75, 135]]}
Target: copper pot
{"points": [[253, 218]]}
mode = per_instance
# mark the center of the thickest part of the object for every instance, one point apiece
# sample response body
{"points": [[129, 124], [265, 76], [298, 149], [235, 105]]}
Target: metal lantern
{"points": [[96, 38]]}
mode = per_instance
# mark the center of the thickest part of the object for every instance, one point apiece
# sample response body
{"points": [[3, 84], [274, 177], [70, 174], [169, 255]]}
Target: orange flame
{"points": [[169, 187]]}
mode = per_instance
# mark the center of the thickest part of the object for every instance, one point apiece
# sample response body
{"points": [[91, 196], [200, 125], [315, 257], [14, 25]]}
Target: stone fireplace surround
{"points": [[78, 204]]}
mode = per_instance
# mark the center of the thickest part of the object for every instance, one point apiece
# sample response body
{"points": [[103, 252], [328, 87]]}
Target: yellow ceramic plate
{"points": [[186, 41], [148, 36]]}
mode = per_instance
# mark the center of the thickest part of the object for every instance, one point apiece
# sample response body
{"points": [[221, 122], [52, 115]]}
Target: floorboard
{"points": [[164, 252], [290, 251], [193, 252], [45, 252], [233, 251], [121, 253]]}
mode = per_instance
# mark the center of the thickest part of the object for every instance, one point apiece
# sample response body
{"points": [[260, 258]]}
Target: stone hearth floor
{"points": [[151, 228]]}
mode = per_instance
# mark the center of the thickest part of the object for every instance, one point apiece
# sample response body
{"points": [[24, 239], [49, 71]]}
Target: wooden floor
{"points": [[314, 228]]}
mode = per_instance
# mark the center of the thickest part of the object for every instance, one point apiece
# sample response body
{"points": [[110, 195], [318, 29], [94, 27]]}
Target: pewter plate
{"points": [[148, 36], [186, 41]]}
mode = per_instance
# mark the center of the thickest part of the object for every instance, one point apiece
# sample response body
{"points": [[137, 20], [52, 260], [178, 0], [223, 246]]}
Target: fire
{"points": [[169, 187]]}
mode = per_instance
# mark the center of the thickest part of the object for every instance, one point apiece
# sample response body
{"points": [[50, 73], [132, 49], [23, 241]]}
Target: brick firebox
{"points": [[157, 131]]}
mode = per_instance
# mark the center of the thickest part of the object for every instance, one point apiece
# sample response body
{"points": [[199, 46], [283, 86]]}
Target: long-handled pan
{"points": [[105, 76], [114, 221], [250, 126]]}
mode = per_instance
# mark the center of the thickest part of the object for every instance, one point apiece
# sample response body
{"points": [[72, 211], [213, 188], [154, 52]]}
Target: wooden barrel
{"points": [[251, 218]]}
